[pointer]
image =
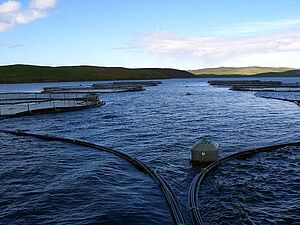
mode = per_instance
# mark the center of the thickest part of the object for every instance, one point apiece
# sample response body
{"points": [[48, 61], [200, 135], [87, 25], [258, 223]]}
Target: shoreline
{"points": [[151, 79]]}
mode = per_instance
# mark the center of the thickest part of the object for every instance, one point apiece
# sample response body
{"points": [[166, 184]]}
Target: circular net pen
{"points": [[18, 104]]}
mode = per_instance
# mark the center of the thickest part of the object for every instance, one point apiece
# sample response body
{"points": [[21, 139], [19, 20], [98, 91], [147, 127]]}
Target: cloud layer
{"points": [[12, 14], [277, 48]]}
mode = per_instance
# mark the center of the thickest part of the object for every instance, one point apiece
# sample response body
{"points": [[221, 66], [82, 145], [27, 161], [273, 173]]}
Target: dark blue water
{"points": [[57, 183], [258, 190], [280, 95]]}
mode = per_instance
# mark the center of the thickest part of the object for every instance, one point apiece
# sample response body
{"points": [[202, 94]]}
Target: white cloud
{"points": [[275, 49], [12, 14], [9, 7], [28, 16], [42, 4]]}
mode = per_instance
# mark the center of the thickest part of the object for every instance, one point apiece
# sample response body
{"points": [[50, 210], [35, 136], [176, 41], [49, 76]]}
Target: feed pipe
{"points": [[164, 186], [193, 200]]}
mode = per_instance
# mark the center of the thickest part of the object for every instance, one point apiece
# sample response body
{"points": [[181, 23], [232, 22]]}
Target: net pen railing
{"points": [[22, 103], [37, 96]]}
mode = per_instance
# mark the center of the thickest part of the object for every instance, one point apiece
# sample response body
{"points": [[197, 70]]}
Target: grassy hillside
{"points": [[30, 74], [239, 70], [290, 73]]}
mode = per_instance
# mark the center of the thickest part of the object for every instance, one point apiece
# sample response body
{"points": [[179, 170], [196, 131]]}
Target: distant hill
{"points": [[31, 74], [290, 73], [253, 70]]}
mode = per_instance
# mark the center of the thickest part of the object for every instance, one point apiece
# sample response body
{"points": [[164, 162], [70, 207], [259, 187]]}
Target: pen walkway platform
{"points": [[17, 104]]}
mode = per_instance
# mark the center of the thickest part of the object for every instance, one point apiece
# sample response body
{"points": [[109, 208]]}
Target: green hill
{"points": [[253, 70], [290, 73], [31, 74]]}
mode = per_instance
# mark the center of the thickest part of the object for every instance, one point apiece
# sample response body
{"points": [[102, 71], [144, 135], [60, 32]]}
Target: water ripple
{"points": [[55, 183]]}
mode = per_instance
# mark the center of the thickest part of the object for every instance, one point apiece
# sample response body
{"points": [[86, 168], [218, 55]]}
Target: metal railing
{"points": [[12, 104]]}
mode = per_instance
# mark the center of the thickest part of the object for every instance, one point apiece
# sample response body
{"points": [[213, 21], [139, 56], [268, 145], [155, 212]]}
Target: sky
{"points": [[182, 34]]}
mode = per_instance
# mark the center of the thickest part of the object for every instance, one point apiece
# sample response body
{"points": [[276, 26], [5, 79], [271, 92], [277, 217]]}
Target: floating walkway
{"points": [[281, 88], [64, 98], [164, 186], [18, 104], [104, 87], [263, 89], [229, 83], [257, 85], [193, 200]]}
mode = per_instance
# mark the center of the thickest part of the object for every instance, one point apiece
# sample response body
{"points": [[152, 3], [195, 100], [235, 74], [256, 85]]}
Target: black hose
{"points": [[164, 186], [193, 200]]}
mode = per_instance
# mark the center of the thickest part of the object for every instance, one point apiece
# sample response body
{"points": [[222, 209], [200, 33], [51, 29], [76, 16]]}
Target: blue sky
{"points": [[184, 34]]}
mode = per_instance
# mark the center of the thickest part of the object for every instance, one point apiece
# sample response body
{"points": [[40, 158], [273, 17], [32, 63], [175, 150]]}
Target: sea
{"points": [[58, 183]]}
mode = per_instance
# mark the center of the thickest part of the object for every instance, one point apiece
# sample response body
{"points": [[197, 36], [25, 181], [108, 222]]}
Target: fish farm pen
{"points": [[229, 83], [104, 87], [68, 98], [257, 85], [17, 104], [278, 90], [64, 98]]}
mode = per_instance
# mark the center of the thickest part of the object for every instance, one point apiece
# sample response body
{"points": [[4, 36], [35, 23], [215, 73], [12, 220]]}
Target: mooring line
{"points": [[167, 191], [193, 200]]}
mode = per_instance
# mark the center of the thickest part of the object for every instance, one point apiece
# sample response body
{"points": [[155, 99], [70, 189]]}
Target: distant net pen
{"points": [[19, 104]]}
